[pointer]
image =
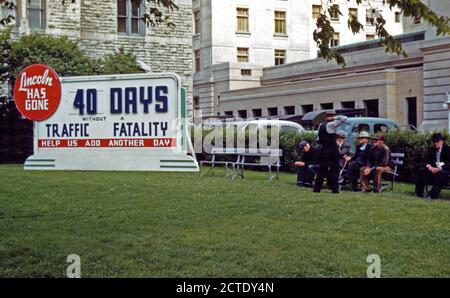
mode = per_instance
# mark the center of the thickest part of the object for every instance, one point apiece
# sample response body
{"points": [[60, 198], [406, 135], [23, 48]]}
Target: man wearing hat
{"points": [[329, 154], [436, 169], [309, 166], [379, 161], [358, 160], [343, 148]]}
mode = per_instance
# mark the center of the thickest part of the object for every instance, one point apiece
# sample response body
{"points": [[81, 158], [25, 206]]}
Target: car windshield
{"points": [[288, 129]]}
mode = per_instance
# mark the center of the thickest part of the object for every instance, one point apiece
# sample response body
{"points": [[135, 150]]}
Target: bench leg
{"points": [[236, 171], [271, 175]]}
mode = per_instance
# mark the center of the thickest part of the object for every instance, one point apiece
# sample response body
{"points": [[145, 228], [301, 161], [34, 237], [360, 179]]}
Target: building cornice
{"points": [[409, 62]]}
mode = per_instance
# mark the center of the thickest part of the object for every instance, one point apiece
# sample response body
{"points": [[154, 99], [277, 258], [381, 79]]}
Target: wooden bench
{"points": [[233, 152], [397, 160], [267, 158]]}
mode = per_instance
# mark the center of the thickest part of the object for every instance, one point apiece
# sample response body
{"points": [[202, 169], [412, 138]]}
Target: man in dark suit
{"points": [[358, 160], [329, 154], [344, 149], [308, 166], [436, 168]]}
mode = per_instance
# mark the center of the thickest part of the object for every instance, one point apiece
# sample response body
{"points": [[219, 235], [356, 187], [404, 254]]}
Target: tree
{"points": [[409, 8], [324, 32], [59, 52]]}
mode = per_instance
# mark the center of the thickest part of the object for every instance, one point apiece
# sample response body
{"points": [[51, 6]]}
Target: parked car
{"points": [[284, 126], [353, 126]]}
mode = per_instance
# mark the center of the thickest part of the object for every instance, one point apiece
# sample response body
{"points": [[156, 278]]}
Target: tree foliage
{"points": [[59, 52], [158, 12], [409, 8]]}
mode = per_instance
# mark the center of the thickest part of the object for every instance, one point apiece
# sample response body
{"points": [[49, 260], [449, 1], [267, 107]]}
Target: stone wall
{"points": [[436, 74]]}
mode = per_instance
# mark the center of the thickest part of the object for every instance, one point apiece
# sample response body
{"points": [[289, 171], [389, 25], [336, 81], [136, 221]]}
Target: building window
{"points": [[242, 20], [370, 36], [197, 60], [36, 14], [242, 114], [130, 17], [417, 20], [353, 13], [197, 21], [242, 55], [412, 111], [369, 17], [246, 72], [334, 42], [371, 107], [6, 12], [280, 22], [290, 110], [307, 108], [334, 13], [316, 11], [272, 112], [196, 103], [348, 104], [326, 106], [397, 17], [229, 113], [280, 57], [257, 113]]}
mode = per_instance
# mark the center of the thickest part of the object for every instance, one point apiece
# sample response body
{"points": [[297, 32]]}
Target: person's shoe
{"points": [[306, 184], [376, 191], [365, 190], [357, 189]]}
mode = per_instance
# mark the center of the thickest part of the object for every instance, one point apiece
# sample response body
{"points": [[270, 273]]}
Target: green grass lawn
{"points": [[136, 224]]}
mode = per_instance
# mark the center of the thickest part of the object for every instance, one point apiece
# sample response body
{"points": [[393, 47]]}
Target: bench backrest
{"points": [[398, 158], [227, 150], [261, 152]]}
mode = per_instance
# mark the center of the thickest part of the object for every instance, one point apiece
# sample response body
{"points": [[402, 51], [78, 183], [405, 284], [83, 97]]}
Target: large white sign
{"points": [[116, 122]]}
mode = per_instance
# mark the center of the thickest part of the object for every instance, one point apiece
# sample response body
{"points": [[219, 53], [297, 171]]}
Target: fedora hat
{"points": [[330, 113], [437, 137], [364, 135]]}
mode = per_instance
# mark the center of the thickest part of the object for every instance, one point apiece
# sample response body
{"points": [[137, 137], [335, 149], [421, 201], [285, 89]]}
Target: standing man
{"points": [[329, 154], [436, 169], [358, 160], [379, 161], [309, 166]]}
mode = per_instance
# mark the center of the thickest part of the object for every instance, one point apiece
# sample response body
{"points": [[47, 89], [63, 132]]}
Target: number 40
{"points": [[91, 101]]}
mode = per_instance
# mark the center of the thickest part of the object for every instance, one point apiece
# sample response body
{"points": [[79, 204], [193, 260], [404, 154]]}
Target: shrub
{"points": [[59, 52], [415, 146], [118, 63]]}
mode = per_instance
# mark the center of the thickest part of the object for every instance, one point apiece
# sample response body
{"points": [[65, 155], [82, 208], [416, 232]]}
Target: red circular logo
{"points": [[37, 92]]}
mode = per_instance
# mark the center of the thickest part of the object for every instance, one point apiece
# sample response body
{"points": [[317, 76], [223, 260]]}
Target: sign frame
{"points": [[177, 160]]}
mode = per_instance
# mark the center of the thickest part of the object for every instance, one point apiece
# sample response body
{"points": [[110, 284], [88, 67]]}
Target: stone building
{"points": [[104, 26], [234, 39]]}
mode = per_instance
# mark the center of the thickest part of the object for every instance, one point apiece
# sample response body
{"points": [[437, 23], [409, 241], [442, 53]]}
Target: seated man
{"points": [[344, 149], [378, 162], [308, 167], [436, 169], [358, 160]]}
